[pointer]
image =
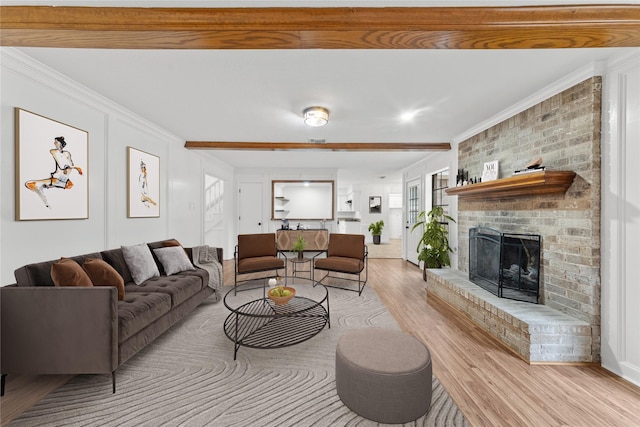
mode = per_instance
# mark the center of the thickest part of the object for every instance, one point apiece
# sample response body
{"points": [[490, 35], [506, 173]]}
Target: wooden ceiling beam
{"points": [[330, 146], [523, 27]]}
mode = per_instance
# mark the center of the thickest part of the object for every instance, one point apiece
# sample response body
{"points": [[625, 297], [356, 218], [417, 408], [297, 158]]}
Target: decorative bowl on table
{"points": [[281, 295]]}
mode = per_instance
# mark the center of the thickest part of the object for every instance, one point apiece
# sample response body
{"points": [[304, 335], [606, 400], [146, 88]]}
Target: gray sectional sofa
{"points": [[47, 329]]}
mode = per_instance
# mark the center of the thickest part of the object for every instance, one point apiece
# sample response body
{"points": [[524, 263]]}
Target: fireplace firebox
{"points": [[505, 264]]}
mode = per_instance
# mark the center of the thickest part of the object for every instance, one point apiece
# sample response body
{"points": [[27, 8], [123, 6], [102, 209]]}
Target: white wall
{"points": [[621, 218], [266, 175], [29, 85], [377, 189]]}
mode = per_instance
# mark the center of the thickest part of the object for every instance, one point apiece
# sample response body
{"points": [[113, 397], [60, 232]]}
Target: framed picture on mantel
{"points": [[490, 171]]}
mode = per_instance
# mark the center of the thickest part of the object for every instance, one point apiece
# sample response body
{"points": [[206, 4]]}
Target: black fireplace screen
{"points": [[505, 264]]}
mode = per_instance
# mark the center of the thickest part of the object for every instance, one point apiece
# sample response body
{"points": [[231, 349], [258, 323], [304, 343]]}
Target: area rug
{"points": [[187, 377]]}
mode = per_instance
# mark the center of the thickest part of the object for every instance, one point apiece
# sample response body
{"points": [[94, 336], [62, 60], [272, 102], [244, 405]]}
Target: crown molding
{"points": [[594, 69], [12, 59]]}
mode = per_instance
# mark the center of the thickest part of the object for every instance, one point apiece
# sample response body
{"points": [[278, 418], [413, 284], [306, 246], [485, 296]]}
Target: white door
{"points": [[250, 208], [413, 204]]}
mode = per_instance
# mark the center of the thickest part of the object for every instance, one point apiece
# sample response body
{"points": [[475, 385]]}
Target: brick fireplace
{"points": [[565, 131]]}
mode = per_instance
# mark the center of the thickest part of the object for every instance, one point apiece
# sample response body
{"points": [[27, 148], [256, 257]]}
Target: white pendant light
{"points": [[316, 116]]}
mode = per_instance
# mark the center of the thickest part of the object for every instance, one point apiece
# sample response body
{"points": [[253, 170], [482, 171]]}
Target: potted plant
{"points": [[376, 230], [433, 247], [299, 245]]}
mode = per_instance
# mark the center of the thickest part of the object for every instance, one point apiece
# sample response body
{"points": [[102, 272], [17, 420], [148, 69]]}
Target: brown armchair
{"points": [[257, 253], [347, 255]]}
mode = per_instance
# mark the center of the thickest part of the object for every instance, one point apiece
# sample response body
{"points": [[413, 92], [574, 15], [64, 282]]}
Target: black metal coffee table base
{"points": [[262, 324]]}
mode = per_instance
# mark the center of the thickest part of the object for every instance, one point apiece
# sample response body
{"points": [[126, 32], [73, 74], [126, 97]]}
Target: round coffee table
{"points": [[257, 322]]}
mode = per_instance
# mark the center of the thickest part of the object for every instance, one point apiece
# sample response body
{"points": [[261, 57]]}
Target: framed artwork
{"points": [[375, 204], [52, 165], [490, 171], [143, 184]]}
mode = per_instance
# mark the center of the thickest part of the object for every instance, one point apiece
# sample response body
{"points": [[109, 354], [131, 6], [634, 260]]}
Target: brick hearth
{"points": [[537, 333]]}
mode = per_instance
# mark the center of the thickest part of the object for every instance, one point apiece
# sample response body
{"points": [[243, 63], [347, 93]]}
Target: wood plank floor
{"points": [[490, 385]]}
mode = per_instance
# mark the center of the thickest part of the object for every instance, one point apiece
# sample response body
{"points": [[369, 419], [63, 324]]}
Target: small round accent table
{"points": [[298, 263], [384, 375]]}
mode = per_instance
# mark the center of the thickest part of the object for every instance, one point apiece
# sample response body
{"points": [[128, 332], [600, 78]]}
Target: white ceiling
{"points": [[245, 95]]}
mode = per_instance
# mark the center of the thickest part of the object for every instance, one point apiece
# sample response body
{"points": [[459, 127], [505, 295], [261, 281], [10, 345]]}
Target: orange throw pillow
{"points": [[67, 272], [103, 274], [169, 243]]}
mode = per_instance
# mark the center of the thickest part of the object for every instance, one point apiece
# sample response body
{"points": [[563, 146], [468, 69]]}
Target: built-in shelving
{"points": [[529, 184]]}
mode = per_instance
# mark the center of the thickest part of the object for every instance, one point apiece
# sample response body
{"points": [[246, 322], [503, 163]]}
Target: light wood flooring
{"points": [[389, 249], [490, 385]]}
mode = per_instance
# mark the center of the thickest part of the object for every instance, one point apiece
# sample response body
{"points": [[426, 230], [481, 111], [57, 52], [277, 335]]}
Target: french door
{"points": [[413, 204]]}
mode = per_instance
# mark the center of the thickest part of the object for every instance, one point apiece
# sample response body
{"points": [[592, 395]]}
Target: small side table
{"points": [[298, 264]]}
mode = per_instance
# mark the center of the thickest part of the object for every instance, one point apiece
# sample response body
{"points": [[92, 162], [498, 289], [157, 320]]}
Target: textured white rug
{"points": [[187, 377]]}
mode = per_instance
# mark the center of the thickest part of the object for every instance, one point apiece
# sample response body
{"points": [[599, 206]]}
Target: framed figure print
{"points": [[375, 204], [143, 184], [51, 169]]}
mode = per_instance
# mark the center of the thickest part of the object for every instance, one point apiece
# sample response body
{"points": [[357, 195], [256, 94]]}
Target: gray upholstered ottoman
{"points": [[383, 375]]}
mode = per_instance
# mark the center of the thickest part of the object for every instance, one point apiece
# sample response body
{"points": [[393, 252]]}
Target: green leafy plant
{"points": [[433, 248], [299, 244], [376, 228]]}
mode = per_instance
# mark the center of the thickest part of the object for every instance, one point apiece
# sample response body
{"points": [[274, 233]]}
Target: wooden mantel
{"points": [[529, 184]]}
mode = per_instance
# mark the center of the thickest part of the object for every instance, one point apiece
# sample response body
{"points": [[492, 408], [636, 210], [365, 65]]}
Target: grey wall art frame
{"points": [[375, 204], [143, 178], [51, 169]]}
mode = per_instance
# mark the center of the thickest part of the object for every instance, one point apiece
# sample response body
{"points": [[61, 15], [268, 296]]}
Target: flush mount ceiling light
{"points": [[316, 116]]}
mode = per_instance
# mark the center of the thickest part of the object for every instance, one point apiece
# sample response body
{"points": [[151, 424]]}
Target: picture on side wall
{"points": [[144, 184], [51, 169], [375, 204]]}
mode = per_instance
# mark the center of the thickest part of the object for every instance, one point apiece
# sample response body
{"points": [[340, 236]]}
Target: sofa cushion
{"points": [[67, 272], [138, 310], [346, 245], [256, 245], [259, 264], [140, 262], [115, 258], [39, 273], [180, 287], [102, 274], [173, 259], [337, 263]]}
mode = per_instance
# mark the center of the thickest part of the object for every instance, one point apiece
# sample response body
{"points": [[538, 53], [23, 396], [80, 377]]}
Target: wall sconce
{"points": [[316, 116]]}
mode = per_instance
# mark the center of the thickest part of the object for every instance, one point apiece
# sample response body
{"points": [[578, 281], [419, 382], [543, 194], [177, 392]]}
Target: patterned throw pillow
{"points": [[103, 274], [67, 272], [173, 259], [140, 262]]}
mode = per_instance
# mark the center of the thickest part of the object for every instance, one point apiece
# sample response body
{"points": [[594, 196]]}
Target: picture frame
{"points": [[490, 171], [375, 204], [143, 184], [51, 167]]}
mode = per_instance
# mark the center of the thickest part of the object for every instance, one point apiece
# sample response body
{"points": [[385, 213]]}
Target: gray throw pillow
{"points": [[140, 262], [173, 259]]}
